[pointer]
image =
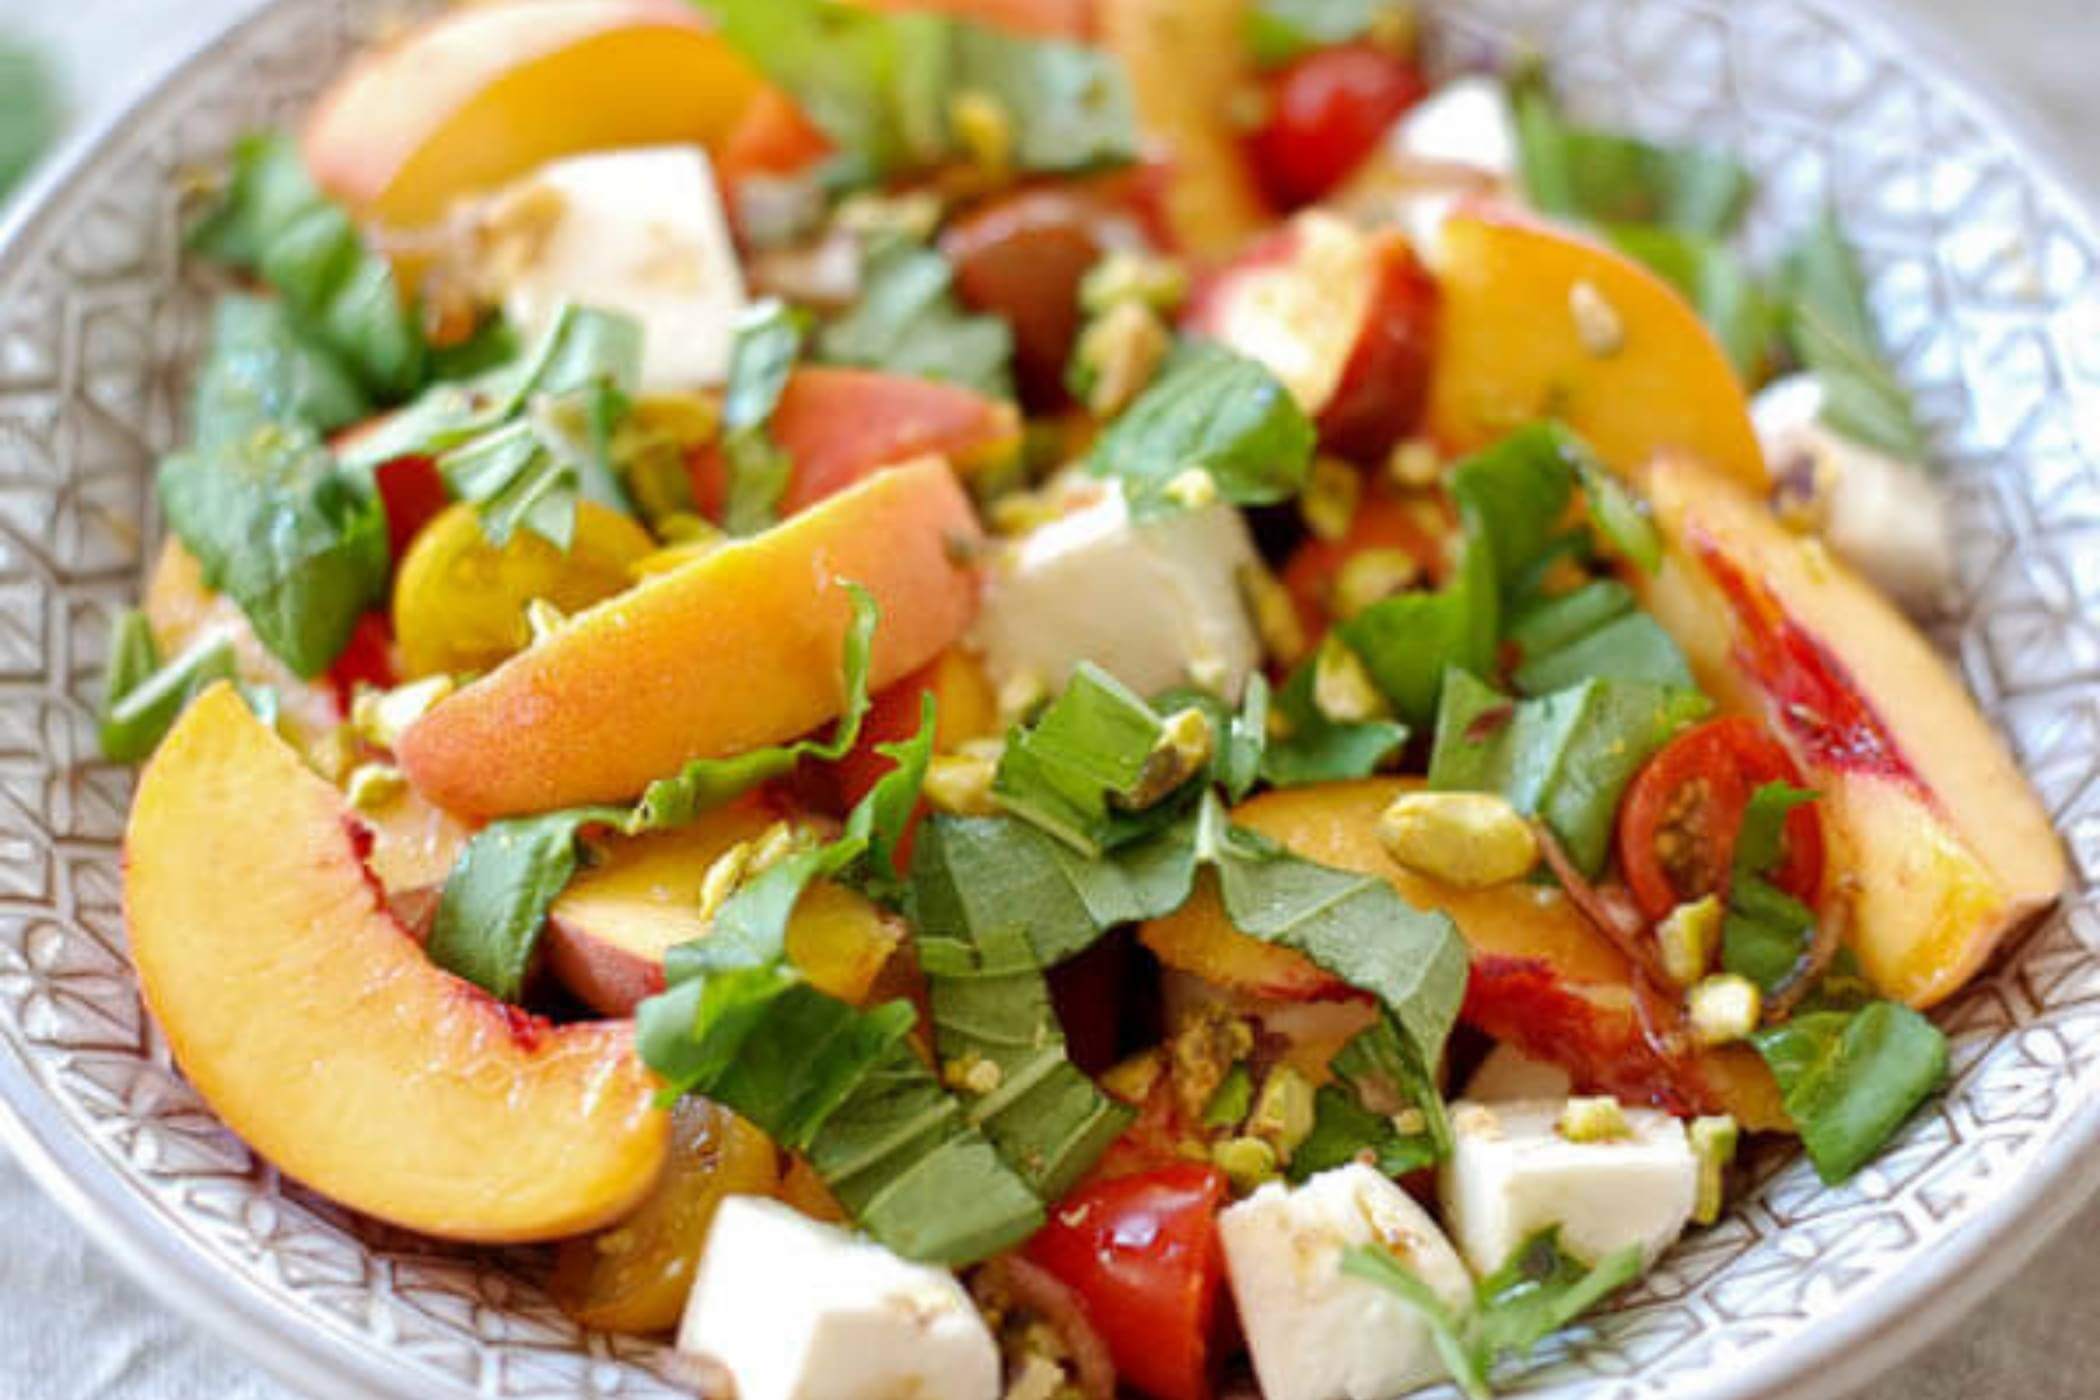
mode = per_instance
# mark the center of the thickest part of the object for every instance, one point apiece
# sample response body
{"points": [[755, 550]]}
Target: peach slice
{"points": [[1542, 977], [1539, 322], [478, 96], [1186, 63], [1938, 845], [724, 653], [609, 931], [266, 953]]}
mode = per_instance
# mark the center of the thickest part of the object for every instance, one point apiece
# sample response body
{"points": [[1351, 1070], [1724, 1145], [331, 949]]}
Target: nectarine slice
{"points": [[1539, 322], [609, 931], [318, 1031], [1542, 977], [481, 95], [724, 653], [1939, 848]]}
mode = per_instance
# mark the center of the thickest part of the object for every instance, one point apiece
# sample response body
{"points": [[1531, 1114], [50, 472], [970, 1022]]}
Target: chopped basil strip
{"points": [[909, 321], [263, 368], [1216, 411], [1359, 1112], [1767, 931], [273, 220], [1090, 745], [885, 87], [1565, 758], [1831, 329], [1579, 172], [1717, 282], [299, 545], [29, 110], [1315, 749], [1850, 1079], [769, 336], [1411, 642], [1629, 648], [142, 698]]}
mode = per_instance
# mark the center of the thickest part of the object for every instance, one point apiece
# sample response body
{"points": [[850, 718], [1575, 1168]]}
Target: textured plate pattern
{"points": [[1984, 273]]}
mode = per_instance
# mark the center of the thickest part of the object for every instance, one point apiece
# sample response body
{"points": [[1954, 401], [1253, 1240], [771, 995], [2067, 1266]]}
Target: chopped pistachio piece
{"points": [[1117, 355], [1689, 937], [1328, 503], [1598, 1119], [1158, 283], [984, 129], [913, 214], [1193, 488], [1415, 465], [972, 1074], [372, 786], [543, 619], [1469, 839], [1133, 1080], [1598, 325], [1229, 1103], [1020, 694], [1275, 614], [723, 878], [1714, 1142], [1343, 691], [1246, 1161], [961, 784], [1724, 1008], [1283, 1111], [1183, 748], [1372, 576], [381, 717]]}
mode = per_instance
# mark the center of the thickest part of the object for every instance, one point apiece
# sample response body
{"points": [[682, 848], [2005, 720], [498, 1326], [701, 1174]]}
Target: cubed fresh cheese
{"points": [[795, 1309], [1509, 1074], [1511, 1174], [1467, 121], [639, 231], [1887, 518], [1315, 1332], [1156, 604]]}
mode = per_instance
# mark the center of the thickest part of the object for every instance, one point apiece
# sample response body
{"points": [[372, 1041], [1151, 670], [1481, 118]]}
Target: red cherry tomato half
{"points": [[1678, 825], [1326, 112], [368, 658], [1142, 1254], [413, 492]]}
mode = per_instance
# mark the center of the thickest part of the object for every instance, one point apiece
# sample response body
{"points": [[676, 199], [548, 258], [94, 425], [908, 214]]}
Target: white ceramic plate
{"points": [[1986, 273]]}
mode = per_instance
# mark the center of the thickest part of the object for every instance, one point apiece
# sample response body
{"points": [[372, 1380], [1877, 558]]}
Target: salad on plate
{"points": [[1042, 698]]}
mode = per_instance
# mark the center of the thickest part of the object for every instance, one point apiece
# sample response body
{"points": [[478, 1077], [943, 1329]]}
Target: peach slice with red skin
{"points": [[1542, 977], [608, 932], [266, 952], [1539, 322], [481, 95], [1939, 849], [1345, 319], [724, 653]]}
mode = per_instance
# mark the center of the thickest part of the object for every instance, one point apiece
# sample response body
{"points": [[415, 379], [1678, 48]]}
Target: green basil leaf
{"points": [[768, 339], [1849, 1080], [300, 546], [1315, 749], [273, 220], [1230, 1101], [1375, 1079], [991, 1007], [1765, 933], [1215, 410], [29, 111], [1411, 642], [1088, 746], [262, 368], [1344, 1131], [494, 906], [1565, 758], [1831, 329], [1545, 625], [1541, 1289], [909, 321], [1579, 172], [141, 698], [1068, 104], [1633, 647], [1617, 515], [1717, 282], [1516, 491], [1278, 31], [1760, 838], [1449, 1330]]}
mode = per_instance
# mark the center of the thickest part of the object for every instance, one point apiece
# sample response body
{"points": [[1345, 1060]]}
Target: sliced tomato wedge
{"points": [[1326, 112], [1678, 824], [1142, 1254], [413, 492]]}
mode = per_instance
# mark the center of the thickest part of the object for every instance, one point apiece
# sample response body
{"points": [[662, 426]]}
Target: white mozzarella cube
{"points": [[1467, 121], [1155, 603], [1885, 517], [1315, 1332], [642, 232], [795, 1309], [1509, 1074], [1511, 1174]]}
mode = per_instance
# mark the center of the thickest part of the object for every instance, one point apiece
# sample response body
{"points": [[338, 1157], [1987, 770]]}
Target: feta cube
{"points": [[1467, 121], [1155, 603], [796, 1309], [1512, 1173], [1887, 518], [1508, 1073], [642, 232], [1315, 1332]]}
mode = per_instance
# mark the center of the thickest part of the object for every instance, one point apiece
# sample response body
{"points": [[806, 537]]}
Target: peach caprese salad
{"points": [[1041, 697]]}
